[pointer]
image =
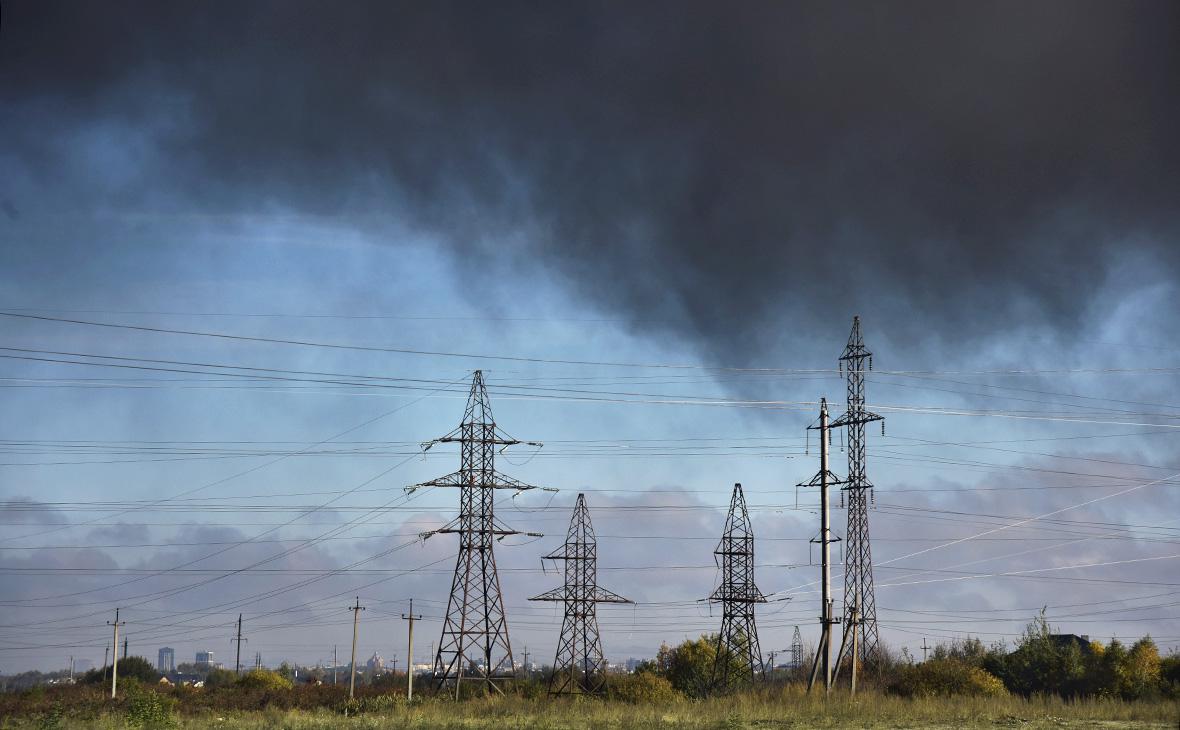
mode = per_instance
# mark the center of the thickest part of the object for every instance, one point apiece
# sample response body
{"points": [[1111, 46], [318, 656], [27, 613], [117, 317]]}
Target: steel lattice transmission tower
{"points": [[579, 667], [797, 650], [738, 658], [858, 557], [474, 642]]}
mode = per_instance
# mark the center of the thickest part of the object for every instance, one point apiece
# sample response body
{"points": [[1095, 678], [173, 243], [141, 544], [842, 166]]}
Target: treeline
{"points": [[1042, 663]]}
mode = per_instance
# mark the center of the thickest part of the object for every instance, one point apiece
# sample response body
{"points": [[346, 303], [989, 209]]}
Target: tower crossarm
{"points": [[494, 480], [853, 417], [738, 594], [570, 593]]}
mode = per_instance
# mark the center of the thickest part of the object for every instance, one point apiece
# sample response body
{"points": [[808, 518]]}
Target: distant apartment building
{"points": [[167, 660], [204, 658]]}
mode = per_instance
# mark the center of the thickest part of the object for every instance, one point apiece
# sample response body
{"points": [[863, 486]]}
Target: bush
{"points": [[264, 679], [641, 688], [147, 708], [220, 678], [945, 678]]}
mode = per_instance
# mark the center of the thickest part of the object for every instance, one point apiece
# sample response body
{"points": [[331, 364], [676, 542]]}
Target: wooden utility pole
{"points": [[924, 648], [115, 664], [410, 652], [356, 613]]}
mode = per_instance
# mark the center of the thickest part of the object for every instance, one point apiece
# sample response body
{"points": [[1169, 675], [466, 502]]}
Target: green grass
{"points": [[782, 708]]}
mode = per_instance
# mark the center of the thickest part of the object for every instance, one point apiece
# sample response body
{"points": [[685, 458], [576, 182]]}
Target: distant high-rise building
{"points": [[376, 663], [204, 658], [167, 661]]}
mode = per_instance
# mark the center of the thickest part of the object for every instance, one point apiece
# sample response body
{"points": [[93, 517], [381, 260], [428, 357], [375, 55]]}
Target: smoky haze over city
{"points": [[252, 256]]}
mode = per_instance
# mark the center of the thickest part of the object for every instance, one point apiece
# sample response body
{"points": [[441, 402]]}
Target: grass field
{"points": [[785, 708]]}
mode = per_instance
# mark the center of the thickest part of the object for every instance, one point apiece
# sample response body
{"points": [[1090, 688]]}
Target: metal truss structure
{"points": [[579, 667], [474, 645], [738, 658], [858, 558]]}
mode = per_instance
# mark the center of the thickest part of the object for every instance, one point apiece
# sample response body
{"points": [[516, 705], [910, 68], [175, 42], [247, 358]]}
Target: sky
{"points": [[251, 255]]}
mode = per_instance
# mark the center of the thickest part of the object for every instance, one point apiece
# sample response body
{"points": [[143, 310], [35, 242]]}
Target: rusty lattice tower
{"points": [[474, 645], [579, 667], [858, 557], [738, 659]]}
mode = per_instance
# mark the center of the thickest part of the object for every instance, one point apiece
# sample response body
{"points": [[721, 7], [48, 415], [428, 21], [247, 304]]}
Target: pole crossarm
{"points": [[579, 666]]}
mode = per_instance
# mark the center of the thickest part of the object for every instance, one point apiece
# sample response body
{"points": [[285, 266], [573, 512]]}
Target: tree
{"points": [[1142, 675], [689, 666], [132, 667], [1040, 664], [1170, 675]]}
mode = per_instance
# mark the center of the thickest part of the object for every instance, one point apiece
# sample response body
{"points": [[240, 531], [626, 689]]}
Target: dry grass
{"points": [[782, 708]]}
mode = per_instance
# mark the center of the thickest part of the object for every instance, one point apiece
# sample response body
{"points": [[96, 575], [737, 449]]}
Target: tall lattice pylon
{"points": [[579, 667], [738, 659], [474, 645], [858, 557]]}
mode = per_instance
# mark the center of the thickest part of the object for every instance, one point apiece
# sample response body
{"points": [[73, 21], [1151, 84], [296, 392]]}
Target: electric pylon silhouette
{"points": [[858, 558], [475, 631], [738, 658], [579, 667], [797, 650]]}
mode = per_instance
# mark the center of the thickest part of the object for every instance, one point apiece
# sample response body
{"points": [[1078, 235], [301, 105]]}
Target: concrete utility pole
{"points": [[851, 626], [924, 648], [106, 652], [356, 613], [239, 640], [71, 667], [410, 652], [125, 643], [115, 665], [824, 479], [527, 674], [334, 663]]}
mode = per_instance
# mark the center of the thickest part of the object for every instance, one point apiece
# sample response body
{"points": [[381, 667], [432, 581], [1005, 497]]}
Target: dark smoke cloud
{"points": [[946, 165]]}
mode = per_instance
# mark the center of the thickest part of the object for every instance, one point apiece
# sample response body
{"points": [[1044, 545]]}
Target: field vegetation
{"points": [[1048, 680]]}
